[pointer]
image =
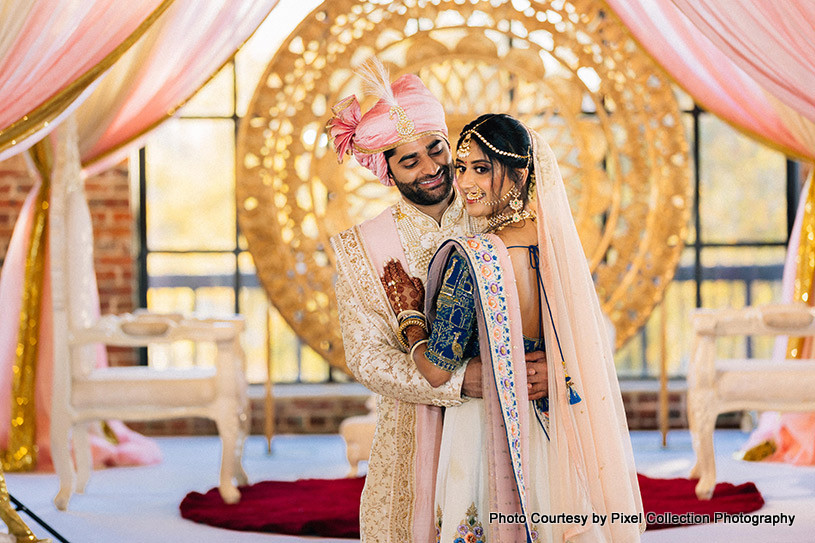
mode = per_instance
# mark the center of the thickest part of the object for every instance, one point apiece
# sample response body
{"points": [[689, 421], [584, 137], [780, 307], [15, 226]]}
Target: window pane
{"points": [[254, 305], [642, 355], [215, 301], [193, 270], [191, 189], [285, 350], [683, 98], [180, 354], [764, 292], [255, 54], [737, 277], [200, 284], [171, 300], [687, 122], [743, 187], [743, 263], [291, 360], [630, 360], [313, 367], [191, 283], [215, 98]]}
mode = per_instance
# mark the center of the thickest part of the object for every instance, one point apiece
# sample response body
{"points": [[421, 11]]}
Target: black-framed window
{"points": [[193, 258]]}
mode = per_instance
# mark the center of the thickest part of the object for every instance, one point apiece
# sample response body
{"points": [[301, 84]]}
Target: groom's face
{"points": [[422, 170]]}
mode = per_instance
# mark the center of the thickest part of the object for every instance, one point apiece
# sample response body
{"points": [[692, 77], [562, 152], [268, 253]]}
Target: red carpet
{"points": [[325, 507], [677, 496], [330, 507]]}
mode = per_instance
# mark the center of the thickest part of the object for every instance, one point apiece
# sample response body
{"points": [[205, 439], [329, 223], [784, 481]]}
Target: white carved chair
{"points": [[358, 434], [725, 385], [83, 394]]}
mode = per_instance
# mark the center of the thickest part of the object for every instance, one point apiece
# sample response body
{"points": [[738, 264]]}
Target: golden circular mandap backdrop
{"points": [[568, 69]]}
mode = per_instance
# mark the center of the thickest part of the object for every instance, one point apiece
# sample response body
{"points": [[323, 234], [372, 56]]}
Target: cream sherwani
{"points": [[397, 503]]}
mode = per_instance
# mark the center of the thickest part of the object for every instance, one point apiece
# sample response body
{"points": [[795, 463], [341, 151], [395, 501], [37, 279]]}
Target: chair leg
{"points": [[63, 464], [228, 429], [702, 424], [243, 431], [84, 458]]}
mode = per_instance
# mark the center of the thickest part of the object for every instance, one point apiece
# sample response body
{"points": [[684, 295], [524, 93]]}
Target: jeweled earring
{"points": [[515, 204]]}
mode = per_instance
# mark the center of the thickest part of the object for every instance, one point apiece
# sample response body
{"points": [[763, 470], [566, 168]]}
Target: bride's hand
{"points": [[403, 291]]}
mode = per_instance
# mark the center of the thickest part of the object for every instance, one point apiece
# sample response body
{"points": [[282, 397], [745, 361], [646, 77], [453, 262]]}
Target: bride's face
{"points": [[481, 184]]}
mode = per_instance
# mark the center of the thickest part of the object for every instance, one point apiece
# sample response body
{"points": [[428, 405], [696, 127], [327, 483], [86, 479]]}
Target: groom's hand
{"points": [[537, 375], [471, 385]]}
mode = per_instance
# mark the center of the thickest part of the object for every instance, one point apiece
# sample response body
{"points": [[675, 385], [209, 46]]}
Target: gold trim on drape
{"points": [[21, 454], [46, 112], [806, 264]]}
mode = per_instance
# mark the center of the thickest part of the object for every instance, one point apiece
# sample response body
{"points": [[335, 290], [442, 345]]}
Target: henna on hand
{"points": [[403, 291], [414, 334]]}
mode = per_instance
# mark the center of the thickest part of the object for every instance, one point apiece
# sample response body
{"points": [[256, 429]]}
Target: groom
{"points": [[403, 140]]}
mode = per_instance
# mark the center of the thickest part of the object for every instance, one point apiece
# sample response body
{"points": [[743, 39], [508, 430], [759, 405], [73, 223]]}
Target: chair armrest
{"points": [[775, 319], [143, 327]]}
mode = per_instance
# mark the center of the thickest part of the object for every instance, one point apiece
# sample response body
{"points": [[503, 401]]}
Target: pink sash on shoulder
{"points": [[382, 243]]}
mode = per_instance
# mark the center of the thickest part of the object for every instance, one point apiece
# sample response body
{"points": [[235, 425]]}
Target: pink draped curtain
{"points": [[711, 77], [188, 44], [773, 42], [48, 45]]}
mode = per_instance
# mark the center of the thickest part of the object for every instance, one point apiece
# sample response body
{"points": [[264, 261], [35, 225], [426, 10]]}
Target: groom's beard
{"points": [[417, 192]]}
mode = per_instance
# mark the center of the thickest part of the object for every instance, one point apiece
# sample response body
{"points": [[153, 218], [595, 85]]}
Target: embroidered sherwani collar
{"points": [[421, 235], [452, 216]]}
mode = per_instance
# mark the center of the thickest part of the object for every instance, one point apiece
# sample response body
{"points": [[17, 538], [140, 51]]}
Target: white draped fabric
{"points": [[51, 51], [187, 45], [715, 80]]}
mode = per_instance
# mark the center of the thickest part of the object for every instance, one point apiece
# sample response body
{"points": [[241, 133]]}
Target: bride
{"points": [[509, 469]]}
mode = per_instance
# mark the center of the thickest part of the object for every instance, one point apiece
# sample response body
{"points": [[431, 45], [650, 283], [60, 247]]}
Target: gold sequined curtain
{"points": [[806, 263], [21, 454]]}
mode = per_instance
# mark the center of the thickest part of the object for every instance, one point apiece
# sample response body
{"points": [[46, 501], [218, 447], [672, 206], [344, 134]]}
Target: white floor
{"points": [[140, 505]]}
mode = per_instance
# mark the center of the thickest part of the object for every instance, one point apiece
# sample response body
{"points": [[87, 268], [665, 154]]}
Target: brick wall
{"points": [[294, 413], [14, 186], [113, 231], [307, 412], [109, 200]]}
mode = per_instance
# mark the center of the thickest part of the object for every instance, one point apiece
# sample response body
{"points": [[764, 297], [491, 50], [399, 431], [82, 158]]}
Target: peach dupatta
{"points": [[591, 462]]}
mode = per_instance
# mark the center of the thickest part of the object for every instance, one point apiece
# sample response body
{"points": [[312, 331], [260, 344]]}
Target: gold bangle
{"points": [[402, 341], [407, 323], [409, 313], [413, 348], [413, 321]]}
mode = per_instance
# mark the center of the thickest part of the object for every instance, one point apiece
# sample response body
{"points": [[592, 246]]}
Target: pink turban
{"points": [[405, 114]]}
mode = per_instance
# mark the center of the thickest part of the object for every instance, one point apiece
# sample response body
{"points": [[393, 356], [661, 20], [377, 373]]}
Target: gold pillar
{"points": [[806, 263], [664, 413], [21, 454]]}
